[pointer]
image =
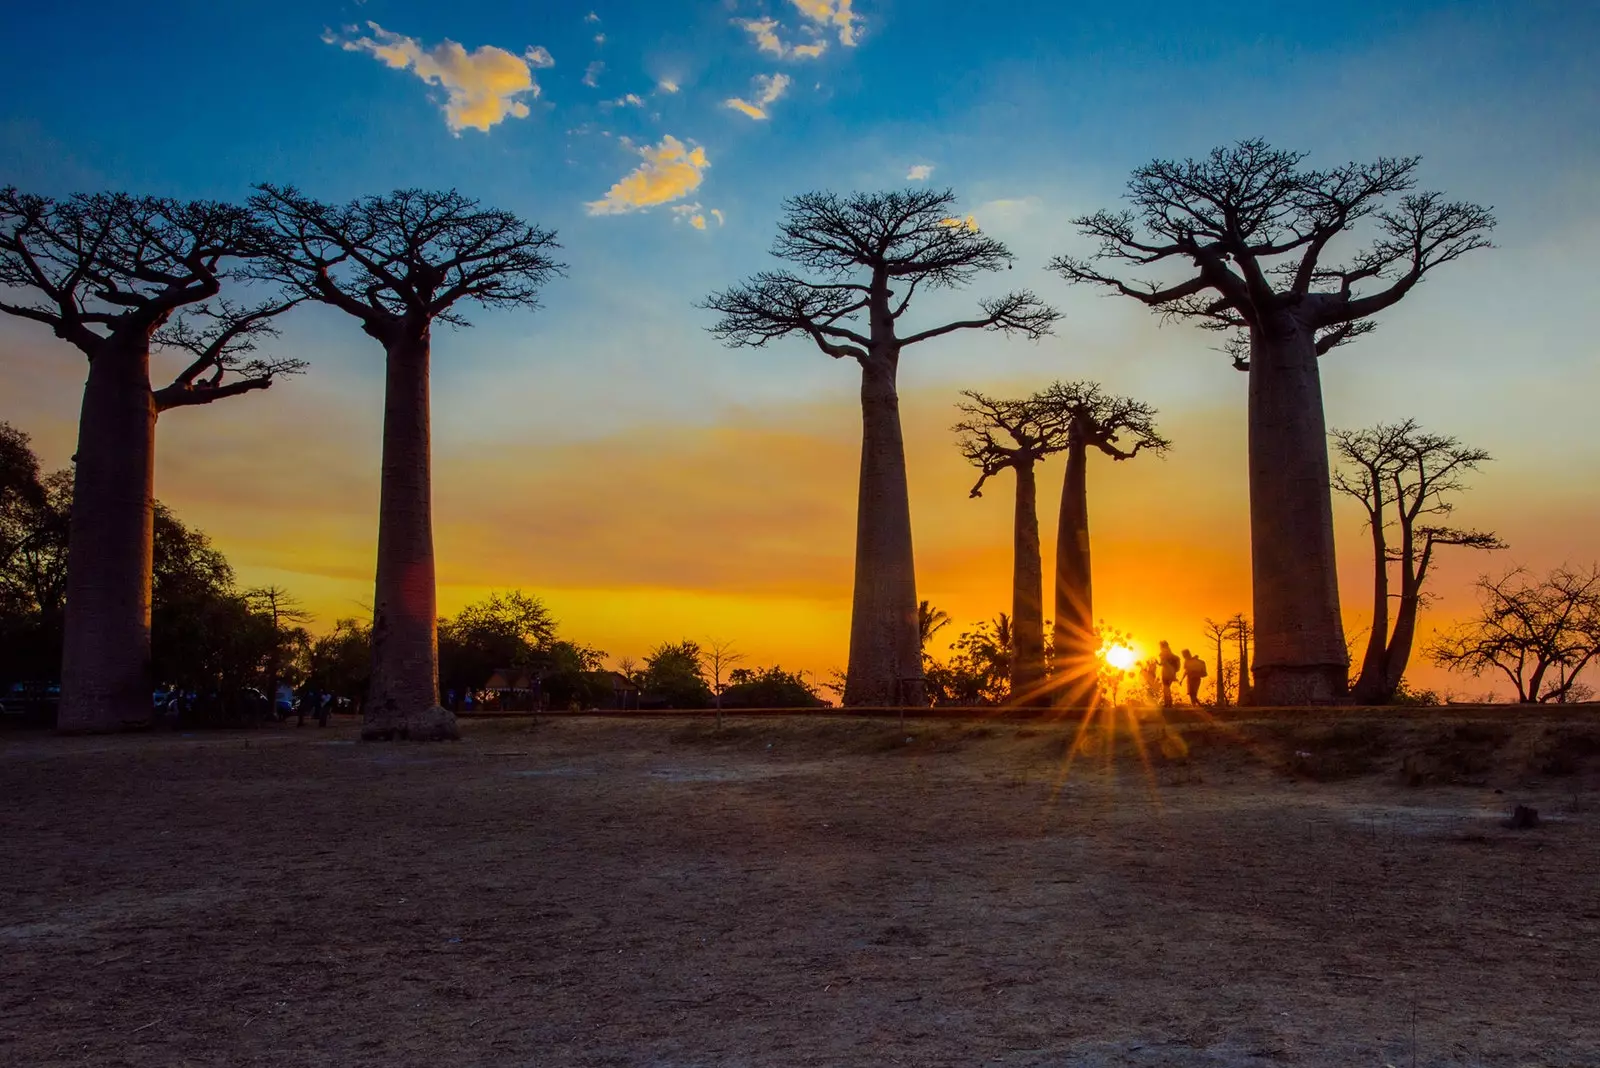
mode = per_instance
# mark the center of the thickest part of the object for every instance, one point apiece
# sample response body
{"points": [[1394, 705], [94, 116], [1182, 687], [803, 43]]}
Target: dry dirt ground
{"points": [[651, 892]]}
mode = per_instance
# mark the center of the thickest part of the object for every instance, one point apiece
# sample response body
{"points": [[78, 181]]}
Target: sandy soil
{"points": [[805, 892]]}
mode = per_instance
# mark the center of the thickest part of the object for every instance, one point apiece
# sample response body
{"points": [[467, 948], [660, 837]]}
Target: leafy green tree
{"points": [[675, 675], [340, 662]]}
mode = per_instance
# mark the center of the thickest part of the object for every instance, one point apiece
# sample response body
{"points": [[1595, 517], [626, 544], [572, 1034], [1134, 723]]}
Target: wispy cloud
{"points": [[769, 87], [670, 171], [920, 173], [482, 87], [591, 17], [591, 74], [765, 33], [630, 100], [835, 13], [695, 215], [667, 85], [539, 57]]}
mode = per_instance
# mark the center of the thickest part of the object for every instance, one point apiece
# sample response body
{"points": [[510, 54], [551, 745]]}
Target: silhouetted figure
{"points": [[1194, 670], [1169, 673], [307, 703]]}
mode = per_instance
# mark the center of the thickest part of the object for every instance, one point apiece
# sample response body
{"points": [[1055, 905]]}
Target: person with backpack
{"points": [[1194, 670], [1169, 673]]}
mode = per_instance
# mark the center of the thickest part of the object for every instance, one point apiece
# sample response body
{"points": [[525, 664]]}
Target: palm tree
{"points": [[930, 621]]}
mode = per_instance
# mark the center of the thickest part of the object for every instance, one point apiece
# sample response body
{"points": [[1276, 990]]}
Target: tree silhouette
{"points": [[1397, 469], [1254, 226], [719, 656], [1218, 633], [1120, 428], [1244, 634], [399, 264], [868, 255], [1000, 435], [115, 275], [288, 618], [930, 621], [1529, 629]]}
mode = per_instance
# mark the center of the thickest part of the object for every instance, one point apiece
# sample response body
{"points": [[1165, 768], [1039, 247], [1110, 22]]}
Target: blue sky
{"points": [[1032, 112]]}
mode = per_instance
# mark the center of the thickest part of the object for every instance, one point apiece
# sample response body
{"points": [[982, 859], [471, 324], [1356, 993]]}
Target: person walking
{"points": [[1169, 673], [1194, 670]]}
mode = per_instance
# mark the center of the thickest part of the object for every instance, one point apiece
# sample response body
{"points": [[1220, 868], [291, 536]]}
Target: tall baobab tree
{"points": [[868, 254], [995, 436], [1120, 428], [1403, 477], [399, 264], [115, 276], [1253, 227]]}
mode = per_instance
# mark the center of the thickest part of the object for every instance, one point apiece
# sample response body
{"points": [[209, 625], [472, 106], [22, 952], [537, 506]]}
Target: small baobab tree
{"points": [[1119, 428], [1218, 633], [1000, 435], [1403, 478], [1252, 227], [116, 276], [867, 255], [399, 264], [1541, 634]]}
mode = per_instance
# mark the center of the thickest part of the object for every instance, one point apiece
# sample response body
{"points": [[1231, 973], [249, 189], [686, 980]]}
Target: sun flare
{"points": [[1119, 656]]}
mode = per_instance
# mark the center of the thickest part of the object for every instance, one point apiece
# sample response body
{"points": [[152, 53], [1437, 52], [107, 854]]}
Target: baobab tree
{"points": [[1541, 634], [1119, 428], [1218, 633], [1014, 435], [114, 276], [1402, 477], [1253, 227], [399, 264], [868, 255]]}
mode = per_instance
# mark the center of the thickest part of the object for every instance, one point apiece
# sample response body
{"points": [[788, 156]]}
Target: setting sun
{"points": [[1120, 657]]}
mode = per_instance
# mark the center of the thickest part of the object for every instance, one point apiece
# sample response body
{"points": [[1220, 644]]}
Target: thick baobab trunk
{"points": [[885, 656], [403, 697], [1300, 656], [1076, 644], [105, 668], [1369, 688], [1027, 597]]}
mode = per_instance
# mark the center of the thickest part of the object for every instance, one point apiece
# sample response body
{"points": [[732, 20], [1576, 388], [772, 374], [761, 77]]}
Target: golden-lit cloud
{"points": [[769, 87], [482, 87], [921, 172], [969, 223], [764, 32], [835, 13], [695, 215], [667, 85], [671, 171]]}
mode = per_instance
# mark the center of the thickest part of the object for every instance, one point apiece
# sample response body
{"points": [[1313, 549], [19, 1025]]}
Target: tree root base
{"points": [[436, 724]]}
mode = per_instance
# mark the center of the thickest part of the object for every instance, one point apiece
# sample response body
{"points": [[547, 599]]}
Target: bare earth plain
{"points": [[1286, 889]]}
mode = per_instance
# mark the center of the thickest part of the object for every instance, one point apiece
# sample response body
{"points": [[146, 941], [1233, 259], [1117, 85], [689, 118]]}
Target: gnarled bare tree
{"points": [[114, 276], [1120, 428], [1402, 477], [1541, 634], [1252, 227], [399, 264], [869, 254], [995, 436]]}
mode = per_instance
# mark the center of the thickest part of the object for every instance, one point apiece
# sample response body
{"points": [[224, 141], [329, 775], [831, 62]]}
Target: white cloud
{"points": [[765, 33], [769, 87], [591, 75], [832, 12], [716, 213], [599, 38], [667, 85], [591, 17], [632, 100], [539, 57], [670, 171], [920, 173], [482, 87]]}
